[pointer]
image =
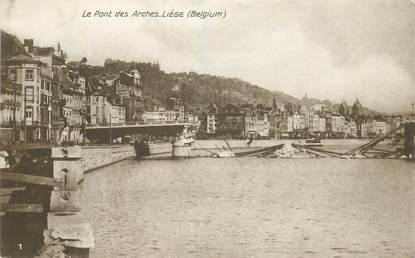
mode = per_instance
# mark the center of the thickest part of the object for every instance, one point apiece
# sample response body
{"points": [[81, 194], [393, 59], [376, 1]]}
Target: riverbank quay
{"points": [[94, 157], [97, 156]]}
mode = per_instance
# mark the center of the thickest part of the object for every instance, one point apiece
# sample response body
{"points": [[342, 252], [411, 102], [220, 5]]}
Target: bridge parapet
{"points": [[143, 123]]}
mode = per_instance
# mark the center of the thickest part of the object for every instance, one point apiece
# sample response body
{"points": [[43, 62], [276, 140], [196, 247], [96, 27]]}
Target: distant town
{"points": [[44, 98]]}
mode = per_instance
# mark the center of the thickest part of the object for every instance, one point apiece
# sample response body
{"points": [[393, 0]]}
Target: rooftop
{"points": [[43, 51], [22, 59]]}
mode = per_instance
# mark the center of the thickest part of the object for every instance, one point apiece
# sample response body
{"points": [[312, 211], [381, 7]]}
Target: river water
{"points": [[252, 207]]}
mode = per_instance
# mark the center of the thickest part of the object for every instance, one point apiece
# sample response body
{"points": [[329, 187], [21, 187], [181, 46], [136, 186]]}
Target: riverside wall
{"points": [[94, 157]]}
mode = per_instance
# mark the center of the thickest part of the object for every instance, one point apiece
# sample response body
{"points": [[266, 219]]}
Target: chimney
{"points": [[28, 43]]}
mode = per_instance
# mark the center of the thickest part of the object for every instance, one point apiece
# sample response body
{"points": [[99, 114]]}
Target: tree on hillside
{"points": [[356, 110], [344, 108]]}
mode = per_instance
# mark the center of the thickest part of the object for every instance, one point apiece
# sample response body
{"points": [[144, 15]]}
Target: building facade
{"points": [[211, 123], [26, 71], [160, 116], [129, 91], [376, 128], [257, 124], [296, 123]]}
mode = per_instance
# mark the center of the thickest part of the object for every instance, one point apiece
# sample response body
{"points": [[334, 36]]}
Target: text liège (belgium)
{"points": [[174, 14]]}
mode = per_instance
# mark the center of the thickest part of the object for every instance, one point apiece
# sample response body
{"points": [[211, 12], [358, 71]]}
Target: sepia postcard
{"points": [[187, 128]]}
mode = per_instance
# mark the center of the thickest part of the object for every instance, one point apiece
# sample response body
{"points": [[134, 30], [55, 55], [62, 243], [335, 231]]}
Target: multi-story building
{"points": [[279, 125], [336, 124], [362, 129], [97, 109], [257, 124], [25, 71], [317, 124], [46, 77], [117, 114], [102, 112], [58, 121], [308, 114], [209, 120], [10, 110], [54, 59], [176, 104], [74, 109], [231, 124], [230, 121], [190, 117], [350, 129], [48, 55], [129, 92], [393, 122], [160, 116], [211, 123], [376, 128], [278, 120], [39, 74], [296, 123]]}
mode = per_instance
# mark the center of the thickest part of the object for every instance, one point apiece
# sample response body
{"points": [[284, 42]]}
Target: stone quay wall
{"points": [[94, 157]]}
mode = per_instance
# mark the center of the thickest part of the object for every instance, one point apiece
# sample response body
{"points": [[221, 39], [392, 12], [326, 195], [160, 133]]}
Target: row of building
{"points": [[291, 121], [43, 98]]}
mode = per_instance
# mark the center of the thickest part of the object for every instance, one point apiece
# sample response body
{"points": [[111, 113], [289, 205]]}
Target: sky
{"points": [[336, 50]]}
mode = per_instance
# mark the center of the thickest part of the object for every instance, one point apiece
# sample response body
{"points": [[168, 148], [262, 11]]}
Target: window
{"points": [[29, 94], [29, 75], [12, 75], [28, 113]]}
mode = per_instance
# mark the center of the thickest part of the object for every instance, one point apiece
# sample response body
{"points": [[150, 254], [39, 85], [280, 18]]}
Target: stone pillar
{"points": [[65, 223]]}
